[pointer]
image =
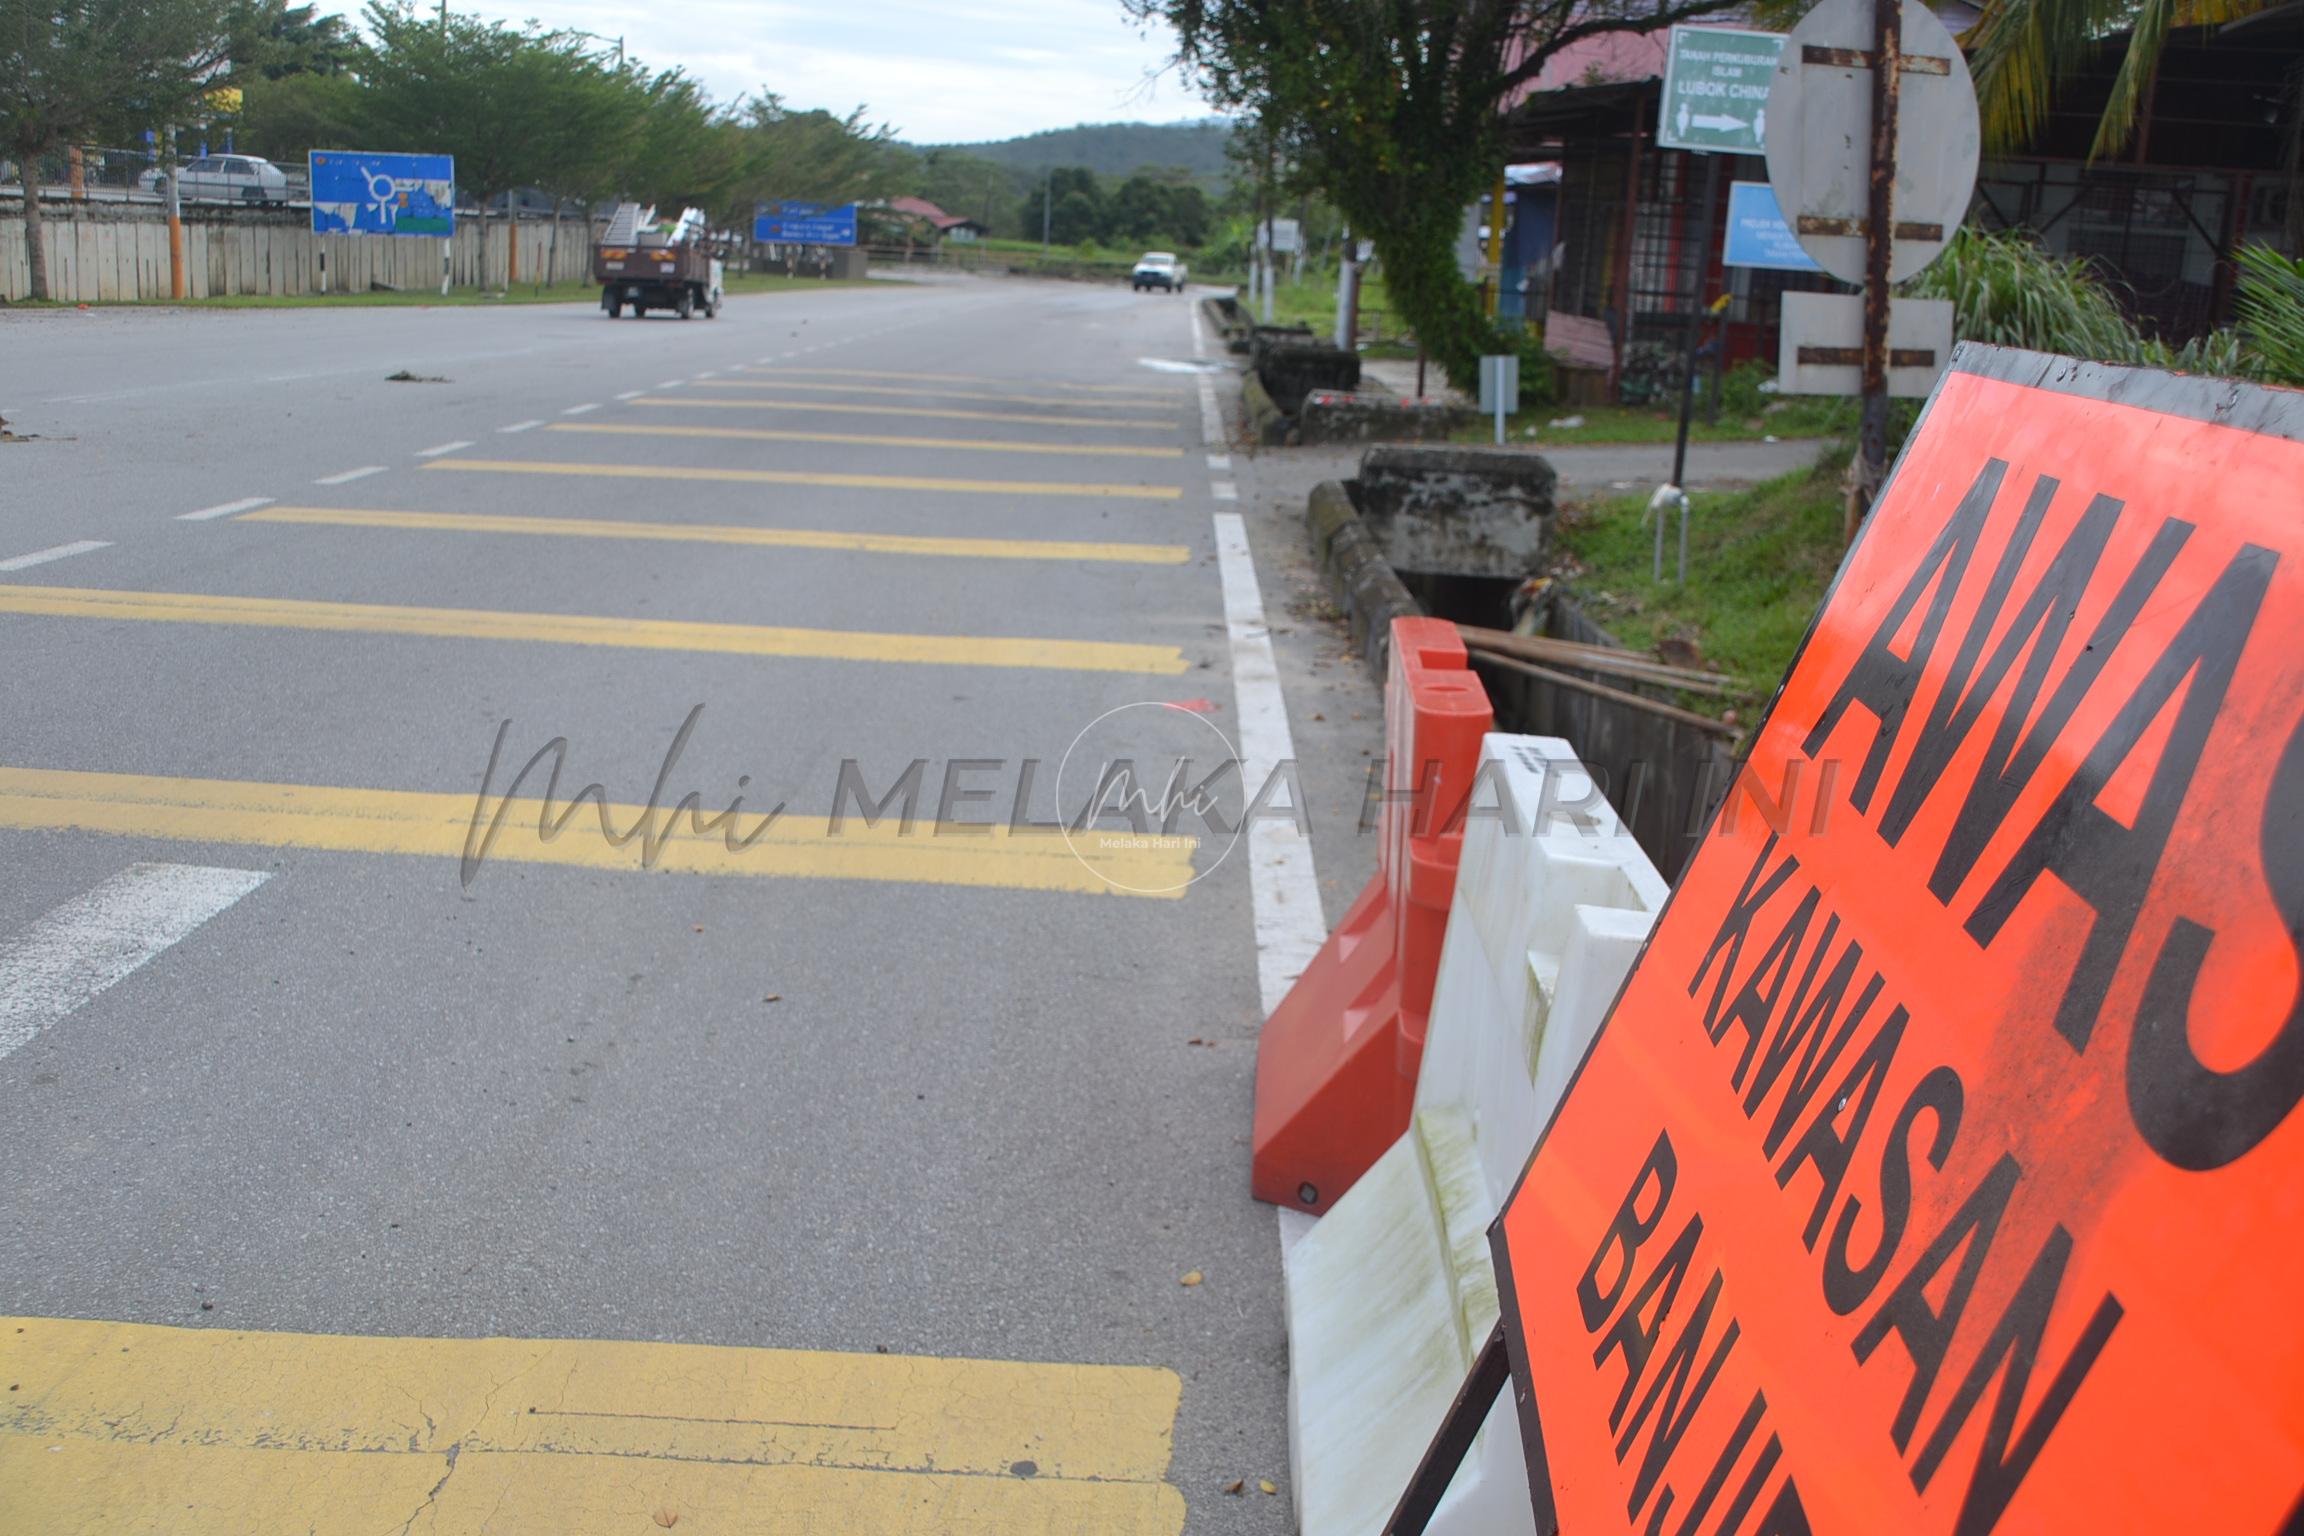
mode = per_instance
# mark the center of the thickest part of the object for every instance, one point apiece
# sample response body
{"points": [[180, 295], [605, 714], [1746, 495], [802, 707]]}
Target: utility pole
{"points": [[175, 222], [1271, 193], [1047, 209]]}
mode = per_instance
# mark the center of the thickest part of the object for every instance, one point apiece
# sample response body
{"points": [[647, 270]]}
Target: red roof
{"points": [[921, 208]]}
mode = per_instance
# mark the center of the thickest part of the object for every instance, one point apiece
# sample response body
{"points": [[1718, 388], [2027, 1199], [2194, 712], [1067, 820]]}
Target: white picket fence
{"points": [[109, 253]]}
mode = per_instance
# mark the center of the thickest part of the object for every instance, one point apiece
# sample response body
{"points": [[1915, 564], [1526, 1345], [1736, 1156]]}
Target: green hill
{"points": [[1114, 150]]}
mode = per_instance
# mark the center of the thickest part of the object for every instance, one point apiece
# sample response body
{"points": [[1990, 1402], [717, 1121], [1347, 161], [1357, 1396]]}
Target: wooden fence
{"points": [[102, 253]]}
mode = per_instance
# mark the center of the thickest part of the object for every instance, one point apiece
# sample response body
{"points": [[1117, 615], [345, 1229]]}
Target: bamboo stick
{"points": [[1597, 658], [1616, 695]]}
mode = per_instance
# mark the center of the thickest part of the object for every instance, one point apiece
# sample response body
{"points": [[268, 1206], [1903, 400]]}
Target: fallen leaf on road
{"points": [[1266, 1485], [773, 997], [1193, 1278], [667, 1519], [1237, 1485]]}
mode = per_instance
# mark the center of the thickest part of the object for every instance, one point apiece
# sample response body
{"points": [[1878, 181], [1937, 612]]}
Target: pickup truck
{"points": [[647, 264], [1157, 269]]}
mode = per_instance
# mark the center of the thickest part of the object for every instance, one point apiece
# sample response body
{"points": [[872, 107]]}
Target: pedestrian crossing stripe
{"points": [[724, 533], [1075, 401], [137, 1430], [591, 835], [799, 477], [596, 630], [867, 440], [918, 412], [952, 378]]}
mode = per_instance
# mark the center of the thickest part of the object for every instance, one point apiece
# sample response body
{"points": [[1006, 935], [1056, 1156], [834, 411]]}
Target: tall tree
{"points": [[815, 156], [969, 185], [74, 70], [1391, 108], [685, 151], [1073, 184], [278, 38], [513, 104]]}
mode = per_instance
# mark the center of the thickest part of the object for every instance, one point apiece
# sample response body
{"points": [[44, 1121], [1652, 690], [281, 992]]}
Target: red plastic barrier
{"points": [[1336, 1068]]}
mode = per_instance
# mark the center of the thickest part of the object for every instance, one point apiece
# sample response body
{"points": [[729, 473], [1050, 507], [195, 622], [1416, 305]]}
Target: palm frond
{"points": [[2023, 51], [2020, 51], [2270, 301]]}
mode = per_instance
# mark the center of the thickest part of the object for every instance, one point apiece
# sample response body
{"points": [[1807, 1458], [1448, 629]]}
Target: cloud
{"points": [[937, 73]]}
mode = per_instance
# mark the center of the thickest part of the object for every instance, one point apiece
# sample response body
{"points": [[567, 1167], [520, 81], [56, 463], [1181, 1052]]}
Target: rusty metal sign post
{"points": [[1880, 219], [1711, 75], [1872, 153]]}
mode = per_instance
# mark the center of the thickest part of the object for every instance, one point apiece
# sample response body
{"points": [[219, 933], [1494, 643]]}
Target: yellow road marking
{"points": [[961, 444], [801, 477], [456, 826], [587, 629], [959, 378], [947, 394], [1009, 417], [725, 533], [134, 1430]]}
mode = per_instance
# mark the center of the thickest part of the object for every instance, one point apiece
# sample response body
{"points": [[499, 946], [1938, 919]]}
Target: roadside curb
{"points": [[1357, 576], [1225, 318], [1268, 425]]}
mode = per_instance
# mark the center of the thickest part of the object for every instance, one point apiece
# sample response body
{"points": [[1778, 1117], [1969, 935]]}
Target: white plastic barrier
{"points": [[1390, 1294]]}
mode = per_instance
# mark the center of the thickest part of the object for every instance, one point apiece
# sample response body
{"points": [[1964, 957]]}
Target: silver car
{"points": [[225, 179]]}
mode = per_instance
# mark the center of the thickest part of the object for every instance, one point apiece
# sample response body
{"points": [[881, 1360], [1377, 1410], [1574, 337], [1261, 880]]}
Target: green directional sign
{"points": [[1716, 84]]}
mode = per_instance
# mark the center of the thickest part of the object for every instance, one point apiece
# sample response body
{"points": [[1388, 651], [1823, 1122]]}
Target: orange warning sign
{"points": [[1940, 1167]]}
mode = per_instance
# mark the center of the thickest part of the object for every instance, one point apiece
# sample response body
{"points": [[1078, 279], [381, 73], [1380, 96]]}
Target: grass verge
{"points": [[1759, 561], [1544, 425]]}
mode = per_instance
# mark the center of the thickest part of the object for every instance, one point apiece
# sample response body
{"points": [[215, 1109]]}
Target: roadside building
{"points": [[2213, 166], [927, 224]]}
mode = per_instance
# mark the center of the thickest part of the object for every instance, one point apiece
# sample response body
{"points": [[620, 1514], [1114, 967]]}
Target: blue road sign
{"points": [[363, 194], [805, 224], [1757, 233]]}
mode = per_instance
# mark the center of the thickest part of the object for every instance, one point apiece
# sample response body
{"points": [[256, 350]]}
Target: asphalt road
{"points": [[320, 1091]]}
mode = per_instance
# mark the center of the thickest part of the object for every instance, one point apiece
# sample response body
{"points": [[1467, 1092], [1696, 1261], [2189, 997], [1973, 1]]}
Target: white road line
{"points": [[671, 383], [1211, 417], [350, 475], [1282, 887], [708, 373], [94, 940], [578, 410], [60, 552], [521, 426], [244, 504], [1224, 490], [1221, 463], [433, 453], [631, 394]]}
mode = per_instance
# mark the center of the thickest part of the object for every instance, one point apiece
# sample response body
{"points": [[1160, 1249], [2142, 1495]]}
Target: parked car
{"points": [[225, 178], [1157, 269]]}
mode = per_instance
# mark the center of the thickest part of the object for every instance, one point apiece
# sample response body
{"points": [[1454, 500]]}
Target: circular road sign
{"points": [[1820, 137]]}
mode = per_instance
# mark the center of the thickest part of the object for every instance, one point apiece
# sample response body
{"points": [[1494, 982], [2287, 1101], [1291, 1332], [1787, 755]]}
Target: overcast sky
{"points": [[937, 72]]}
